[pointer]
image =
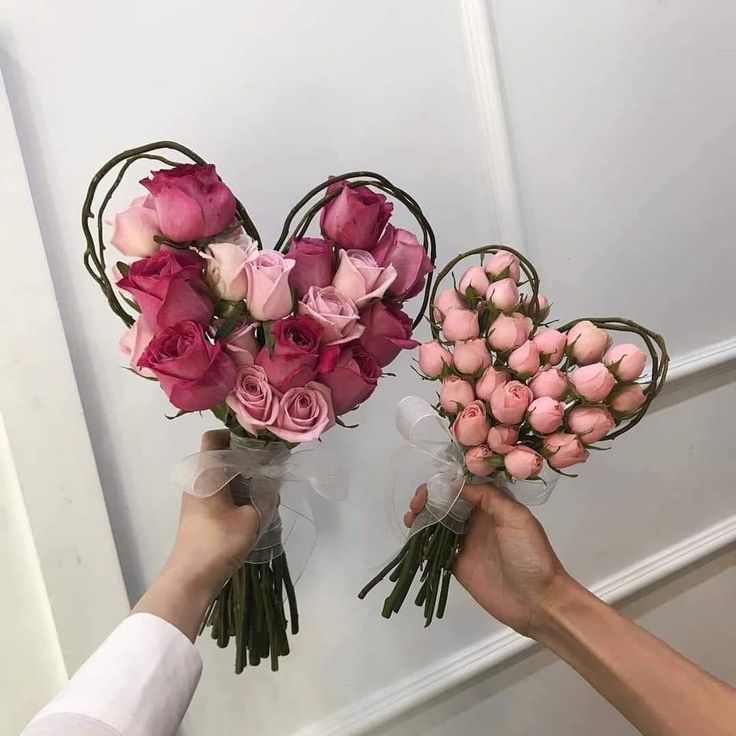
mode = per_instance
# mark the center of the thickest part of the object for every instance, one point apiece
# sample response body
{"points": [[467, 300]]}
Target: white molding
{"points": [[701, 363]]}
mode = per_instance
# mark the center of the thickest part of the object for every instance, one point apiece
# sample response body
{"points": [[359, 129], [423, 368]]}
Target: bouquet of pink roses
{"points": [[522, 403], [278, 344]]}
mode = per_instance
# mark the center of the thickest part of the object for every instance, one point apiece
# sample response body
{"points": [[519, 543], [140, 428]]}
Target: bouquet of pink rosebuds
{"points": [[523, 404], [277, 344]]}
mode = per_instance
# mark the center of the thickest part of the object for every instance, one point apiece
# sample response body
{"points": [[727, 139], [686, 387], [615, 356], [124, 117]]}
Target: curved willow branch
{"points": [[94, 254], [356, 179]]}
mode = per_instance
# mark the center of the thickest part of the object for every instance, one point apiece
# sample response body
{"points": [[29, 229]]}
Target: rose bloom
{"points": [[169, 288], [356, 217], [433, 357], [353, 379], [314, 264], [470, 356], [479, 460], [522, 463], [460, 324], [593, 382], [564, 450], [401, 249], [545, 415], [510, 401], [455, 393], [387, 331], [502, 439], [226, 268], [525, 359], [195, 374], [587, 343], [471, 424], [268, 292], [509, 332], [503, 294], [590, 423], [476, 278], [253, 399], [361, 278], [625, 361], [241, 344], [133, 229], [551, 345], [491, 379], [134, 342], [305, 413], [549, 382], [335, 311], [503, 265], [627, 399], [191, 202], [445, 301]]}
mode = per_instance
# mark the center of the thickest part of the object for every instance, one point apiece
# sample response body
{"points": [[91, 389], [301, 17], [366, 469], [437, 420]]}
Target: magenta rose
{"points": [[471, 425], [626, 361], [433, 357], [133, 229], [253, 399], [387, 331], [314, 264], [479, 460], [510, 401], [336, 312], [502, 439], [545, 415], [169, 288], [564, 450], [353, 379], [590, 423], [194, 373], [268, 294], [134, 342], [356, 217], [241, 344], [522, 463], [191, 202], [305, 413], [455, 394], [593, 382], [401, 249], [361, 278]]}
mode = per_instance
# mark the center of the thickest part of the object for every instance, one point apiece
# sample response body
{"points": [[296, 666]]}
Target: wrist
{"points": [[563, 596]]}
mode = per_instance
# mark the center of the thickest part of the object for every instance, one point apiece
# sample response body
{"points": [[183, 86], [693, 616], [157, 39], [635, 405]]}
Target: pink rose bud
{"points": [[387, 331], [361, 278], [476, 278], [510, 401], [334, 311], [590, 423], [253, 400], [627, 399], [503, 265], [225, 272], [587, 343], [133, 229], [305, 413], [445, 301], [593, 382], [549, 382], [470, 356], [433, 357], [541, 310], [401, 249], [268, 292], [545, 415], [241, 344], [503, 294], [471, 425], [626, 361], [522, 463], [525, 359], [479, 460], [455, 394], [551, 344], [314, 260], [509, 331], [564, 450], [502, 439], [491, 379], [460, 324]]}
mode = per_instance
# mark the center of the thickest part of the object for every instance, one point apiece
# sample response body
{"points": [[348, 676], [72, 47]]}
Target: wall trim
{"points": [[698, 364]]}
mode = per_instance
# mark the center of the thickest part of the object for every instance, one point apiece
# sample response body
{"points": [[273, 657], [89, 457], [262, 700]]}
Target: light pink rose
{"points": [[491, 379], [455, 393], [626, 361], [253, 399], [225, 272], [509, 331], [388, 331], [627, 399], [590, 423], [541, 310], [563, 450], [476, 278], [433, 357], [445, 301], [525, 359], [361, 278], [401, 249], [510, 401], [503, 265], [502, 439], [479, 460], [522, 463], [133, 229], [503, 294], [593, 382], [471, 424], [305, 413], [545, 415], [460, 324], [134, 342], [549, 382], [587, 343], [242, 345], [334, 311], [470, 356], [315, 264], [268, 292], [551, 345]]}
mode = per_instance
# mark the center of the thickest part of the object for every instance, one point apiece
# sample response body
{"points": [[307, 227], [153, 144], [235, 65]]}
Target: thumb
{"points": [[494, 502]]}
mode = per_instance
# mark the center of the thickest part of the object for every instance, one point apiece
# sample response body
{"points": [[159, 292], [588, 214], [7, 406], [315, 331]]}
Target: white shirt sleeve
{"points": [[138, 683]]}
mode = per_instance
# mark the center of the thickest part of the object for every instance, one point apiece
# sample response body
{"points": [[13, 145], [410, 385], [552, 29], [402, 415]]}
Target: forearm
{"points": [[654, 687]]}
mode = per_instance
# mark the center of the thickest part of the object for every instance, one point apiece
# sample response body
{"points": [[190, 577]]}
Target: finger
{"points": [[419, 500], [216, 439], [493, 501]]}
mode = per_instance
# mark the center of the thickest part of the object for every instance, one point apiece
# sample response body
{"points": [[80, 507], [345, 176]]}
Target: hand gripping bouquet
{"points": [[519, 403], [278, 344]]}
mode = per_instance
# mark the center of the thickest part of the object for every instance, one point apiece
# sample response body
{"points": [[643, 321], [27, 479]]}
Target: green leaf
{"points": [[131, 303], [342, 424], [230, 322], [140, 375], [178, 414], [269, 339], [221, 411], [123, 267]]}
